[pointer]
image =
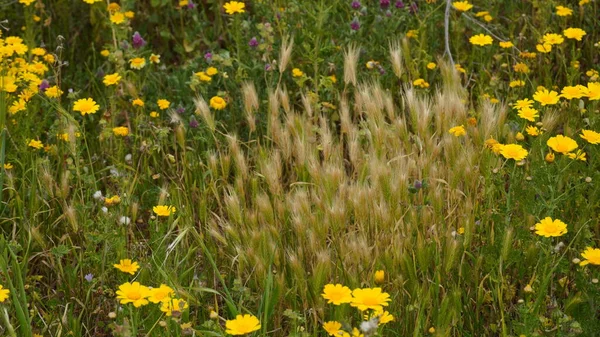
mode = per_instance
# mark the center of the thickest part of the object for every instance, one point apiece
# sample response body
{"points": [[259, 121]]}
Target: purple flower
{"points": [[138, 41], [399, 4], [180, 110], [44, 85], [194, 123], [267, 67], [89, 277], [384, 4], [191, 5], [418, 184], [413, 7], [208, 56], [355, 25], [355, 4], [253, 42]]}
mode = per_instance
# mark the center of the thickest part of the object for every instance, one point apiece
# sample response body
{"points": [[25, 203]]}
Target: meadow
{"points": [[296, 168]]}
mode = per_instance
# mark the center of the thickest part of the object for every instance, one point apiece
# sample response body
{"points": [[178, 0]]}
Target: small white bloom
{"points": [[128, 157], [104, 209], [124, 220], [97, 195]]}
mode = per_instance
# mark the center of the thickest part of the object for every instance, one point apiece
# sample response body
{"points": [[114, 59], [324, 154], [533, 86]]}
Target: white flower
{"points": [[104, 209], [128, 157], [97, 195], [124, 220]]}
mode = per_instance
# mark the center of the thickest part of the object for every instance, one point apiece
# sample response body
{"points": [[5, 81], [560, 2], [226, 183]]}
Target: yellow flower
{"points": [[593, 91], [549, 157], [532, 130], [233, 7], [592, 137], [591, 255], [522, 103], [161, 294], [137, 102], [481, 40], [242, 324], [26, 2], [583, 2], [578, 155], [112, 79], [369, 298], [113, 7], [105, 53], [117, 18], [506, 44], [337, 294], [420, 83], [462, 6], [411, 34], [163, 104], [519, 137], [3, 294], [129, 14], [529, 114], [121, 131], [86, 106], [513, 151], [571, 92], [297, 72], [154, 114], [562, 144], [127, 266], [563, 11], [53, 92], [155, 58], [173, 305], [544, 48], [379, 276], [431, 65], [161, 210], [516, 83], [133, 293], [211, 71], [458, 131], [574, 33], [115, 199], [137, 63], [38, 51], [548, 227], [202, 76], [36, 144], [8, 166], [217, 103], [333, 328], [546, 97], [553, 39], [18, 105], [521, 68]]}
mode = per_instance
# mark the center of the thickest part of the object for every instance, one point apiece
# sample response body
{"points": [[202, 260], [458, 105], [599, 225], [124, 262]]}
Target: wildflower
{"points": [[574, 33], [26, 2], [53, 92], [161, 294], [117, 18], [18, 105], [202, 76], [529, 114], [549, 158], [337, 294], [133, 293], [592, 137], [553, 39], [513, 151], [89, 277], [163, 104], [544, 48], [548, 227], [379, 276], [8, 166], [546, 97], [462, 6], [129, 14], [217, 103], [431, 330], [523, 103], [593, 91], [506, 44], [121, 131], [420, 83], [211, 71], [458, 131], [460, 69], [112, 79], [161, 210], [563, 11], [519, 136], [571, 92], [355, 24], [137, 40], [516, 83], [115, 199], [431, 65], [86, 106], [481, 40], [154, 114], [174, 305], [532, 130], [233, 7], [36, 144], [253, 43], [579, 155], [369, 298], [521, 68], [154, 58], [528, 288], [333, 328], [137, 102], [3, 294], [127, 266], [242, 324], [562, 144], [412, 34], [137, 63], [297, 72], [591, 255]]}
